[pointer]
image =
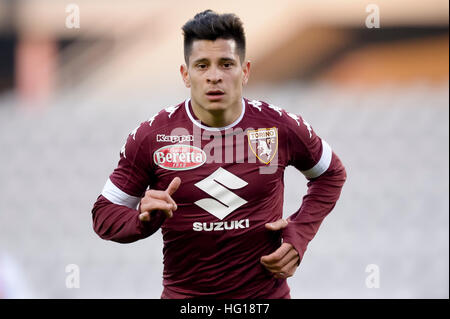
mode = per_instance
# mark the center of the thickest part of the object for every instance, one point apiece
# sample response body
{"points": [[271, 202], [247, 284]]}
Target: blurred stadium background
{"points": [[379, 96]]}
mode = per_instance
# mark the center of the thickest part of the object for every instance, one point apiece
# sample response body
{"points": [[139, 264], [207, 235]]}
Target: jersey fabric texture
{"points": [[231, 186]]}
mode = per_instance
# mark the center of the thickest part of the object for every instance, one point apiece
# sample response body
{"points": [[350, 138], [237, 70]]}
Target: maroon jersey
{"points": [[231, 186]]}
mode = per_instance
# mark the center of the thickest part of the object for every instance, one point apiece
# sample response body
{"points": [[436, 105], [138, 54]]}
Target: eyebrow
{"points": [[220, 60]]}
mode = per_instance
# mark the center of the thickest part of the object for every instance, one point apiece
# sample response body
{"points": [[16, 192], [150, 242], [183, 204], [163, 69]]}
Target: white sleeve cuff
{"points": [[322, 165], [116, 196]]}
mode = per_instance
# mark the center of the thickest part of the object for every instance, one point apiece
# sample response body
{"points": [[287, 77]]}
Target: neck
{"points": [[217, 118]]}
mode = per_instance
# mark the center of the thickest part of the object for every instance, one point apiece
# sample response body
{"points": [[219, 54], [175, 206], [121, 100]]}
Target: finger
{"points": [[290, 267], [144, 217], [277, 259], [173, 186], [149, 204], [281, 264], [288, 264], [277, 255], [163, 195], [288, 270], [277, 225], [156, 204]]}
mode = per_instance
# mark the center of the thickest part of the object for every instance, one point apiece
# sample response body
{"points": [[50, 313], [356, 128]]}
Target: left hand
{"points": [[283, 262]]}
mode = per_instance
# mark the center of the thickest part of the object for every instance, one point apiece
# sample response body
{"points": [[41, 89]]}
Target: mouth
{"points": [[215, 93]]}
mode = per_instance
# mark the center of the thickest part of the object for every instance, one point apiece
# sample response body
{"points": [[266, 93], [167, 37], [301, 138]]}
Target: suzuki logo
{"points": [[216, 185]]}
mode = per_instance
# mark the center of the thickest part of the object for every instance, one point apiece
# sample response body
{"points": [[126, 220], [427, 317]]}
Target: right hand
{"points": [[159, 200]]}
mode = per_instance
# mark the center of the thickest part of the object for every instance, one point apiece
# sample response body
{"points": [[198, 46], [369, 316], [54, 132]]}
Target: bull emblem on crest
{"points": [[263, 143]]}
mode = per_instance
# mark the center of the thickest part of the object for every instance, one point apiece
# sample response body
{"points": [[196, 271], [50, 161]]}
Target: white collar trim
{"points": [[197, 122]]}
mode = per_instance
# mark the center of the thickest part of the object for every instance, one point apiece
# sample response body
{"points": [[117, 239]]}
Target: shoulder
{"points": [[142, 134], [276, 113], [167, 116], [291, 124]]}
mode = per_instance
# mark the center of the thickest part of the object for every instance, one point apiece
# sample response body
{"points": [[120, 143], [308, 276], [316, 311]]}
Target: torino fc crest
{"points": [[263, 143]]}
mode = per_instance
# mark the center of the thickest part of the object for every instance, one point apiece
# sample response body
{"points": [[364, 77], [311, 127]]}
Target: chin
{"points": [[215, 105]]}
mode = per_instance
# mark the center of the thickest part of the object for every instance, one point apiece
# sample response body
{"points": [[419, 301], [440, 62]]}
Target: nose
{"points": [[214, 75]]}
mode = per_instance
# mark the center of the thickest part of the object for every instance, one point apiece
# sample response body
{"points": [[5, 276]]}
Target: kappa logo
{"points": [[277, 109], [263, 143], [133, 133], [152, 119], [256, 104], [308, 127], [294, 117], [171, 110], [174, 138], [297, 119]]}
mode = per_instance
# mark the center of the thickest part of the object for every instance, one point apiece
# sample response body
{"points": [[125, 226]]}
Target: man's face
{"points": [[215, 74]]}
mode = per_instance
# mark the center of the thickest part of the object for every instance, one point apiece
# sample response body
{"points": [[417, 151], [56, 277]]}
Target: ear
{"points": [[185, 75], [246, 71]]}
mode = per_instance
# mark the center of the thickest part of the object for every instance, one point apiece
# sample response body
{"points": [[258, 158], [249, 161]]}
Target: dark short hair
{"points": [[209, 25]]}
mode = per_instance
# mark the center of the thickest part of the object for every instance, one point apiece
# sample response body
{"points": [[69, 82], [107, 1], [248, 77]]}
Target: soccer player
{"points": [[209, 173]]}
